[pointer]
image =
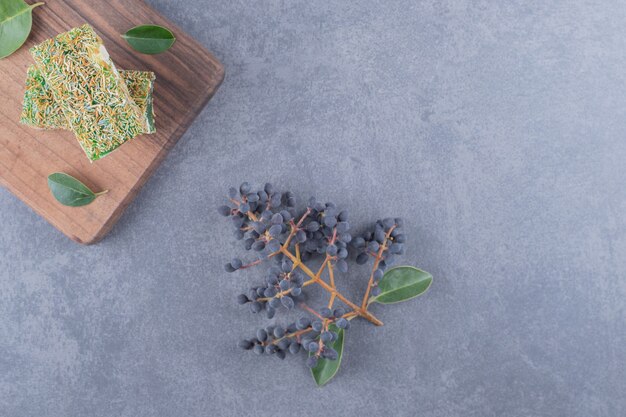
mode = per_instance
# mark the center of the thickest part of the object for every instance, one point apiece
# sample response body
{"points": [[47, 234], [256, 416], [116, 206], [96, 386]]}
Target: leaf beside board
{"points": [[402, 283], [16, 21], [150, 39], [69, 191], [326, 369]]}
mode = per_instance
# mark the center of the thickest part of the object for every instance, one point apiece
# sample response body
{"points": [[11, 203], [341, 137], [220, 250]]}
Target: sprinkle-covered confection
{"points": [[89, 90], [41, 111]]}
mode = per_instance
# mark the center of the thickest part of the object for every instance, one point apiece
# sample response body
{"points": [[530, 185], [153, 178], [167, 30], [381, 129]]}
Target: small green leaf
{"points": [[16, 20], [326, 369], [69, 191], [150, 39], [402, 283]]}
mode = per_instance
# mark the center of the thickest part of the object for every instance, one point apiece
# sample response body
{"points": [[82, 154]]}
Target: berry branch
{"points": [[266, 222], [297, 263]]}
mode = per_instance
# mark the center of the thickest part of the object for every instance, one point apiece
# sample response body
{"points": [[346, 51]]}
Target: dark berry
{"points": [[342, 266], [279, 332], [284, 285], [378, 274], [258, 246], [261, 334], [358, 242], [273, 245], [313, 227], [343, 227], [317, 325], [275, 230], [294, 347], [236, 263], [274, 302], [311, 362], [342, 323], [287, 302], [245, 344], [330, 353], [362, 258], [303, 323]]}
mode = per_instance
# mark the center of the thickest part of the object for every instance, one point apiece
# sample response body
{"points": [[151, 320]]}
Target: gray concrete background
{"points": [[496, 129]]}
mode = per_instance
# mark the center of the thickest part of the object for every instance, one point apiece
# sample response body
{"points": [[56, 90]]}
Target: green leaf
{"points": [[150, 39], [69, 191], [326, 369], [16, 20], [402, 283]]}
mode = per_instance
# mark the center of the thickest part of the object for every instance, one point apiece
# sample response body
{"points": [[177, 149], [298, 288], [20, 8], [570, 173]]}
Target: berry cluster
{"points": [[384, 243], [313, 336], [282, 287], [325, 231], [270, 227], [262, 215]]}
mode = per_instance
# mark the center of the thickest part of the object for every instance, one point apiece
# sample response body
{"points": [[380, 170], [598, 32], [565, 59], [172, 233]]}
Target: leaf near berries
{"points": [[402, 283], [326, 369]]}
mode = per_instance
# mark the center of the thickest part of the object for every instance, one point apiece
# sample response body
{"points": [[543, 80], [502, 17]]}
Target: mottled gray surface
{"points": [[497, 130]]}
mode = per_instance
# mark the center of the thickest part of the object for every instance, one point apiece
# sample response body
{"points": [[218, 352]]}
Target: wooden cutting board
{"points": [[186, 77]]}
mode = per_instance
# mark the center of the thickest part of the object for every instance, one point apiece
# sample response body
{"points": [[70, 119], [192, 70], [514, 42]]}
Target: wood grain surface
{"points": [[187, 76]]}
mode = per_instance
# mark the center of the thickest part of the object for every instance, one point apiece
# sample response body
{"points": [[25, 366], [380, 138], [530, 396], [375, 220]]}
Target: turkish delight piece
{"points": [[89, 90], [41, 111]]}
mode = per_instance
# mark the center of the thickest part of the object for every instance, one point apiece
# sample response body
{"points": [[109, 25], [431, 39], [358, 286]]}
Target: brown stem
{"points": [[331, 274], [318, 275], [294, 334], [310, 310], [350, 315], [251, 264], [361, 312]]}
